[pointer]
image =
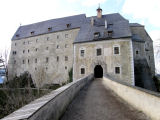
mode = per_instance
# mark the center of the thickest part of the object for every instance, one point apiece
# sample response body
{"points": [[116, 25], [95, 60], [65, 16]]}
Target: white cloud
{"points": [[143, 9]]}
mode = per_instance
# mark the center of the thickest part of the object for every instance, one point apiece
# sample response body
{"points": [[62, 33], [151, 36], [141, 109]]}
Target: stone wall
{"points": [[144, 100], [108, 60], [51, 106], [32, 54]]}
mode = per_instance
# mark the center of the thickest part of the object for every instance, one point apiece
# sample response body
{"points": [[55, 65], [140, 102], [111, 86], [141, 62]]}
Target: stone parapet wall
{"points": [[142, 99]]}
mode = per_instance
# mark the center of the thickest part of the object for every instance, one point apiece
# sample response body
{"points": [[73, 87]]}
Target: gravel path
{"points": [[95, 102]]}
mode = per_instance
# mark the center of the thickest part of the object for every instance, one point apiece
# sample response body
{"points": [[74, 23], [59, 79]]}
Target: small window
{"points": [[116, 50], [47, 59], [57, 46], [68, 25], [110, 33], [82, 71], [28, 61], [23, 61], [36, 49], [14, 52], [57, 36], [36, 40], [99, 51], [36, 60], [57, 58], [15, 44], [96, 34], [82, 53], [14, 61], [23, 51], [50, 28], [47, 38], [47, 48], [117, 70], [110, 25], [28, 50], [66, 35], [35, 68], [32, 33], [137, 52], [17, 35], [66, 67], [66, 58], [23, 43], [46, 68]]}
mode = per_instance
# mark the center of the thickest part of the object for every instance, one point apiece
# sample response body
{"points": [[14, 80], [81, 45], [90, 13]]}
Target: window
{"points": [[36, 60], [28, 50], [46, 48], [36, 40], [66, 35], [116, 50], [82, 71], [35, 68], [36, 49], [57, 36], [96, 34], [117, 70], [57, 46], [82, 53], [66, 67], [46, 68], [23, 61], [68, 25], [15, 44], [28, 61], [47, 38], [14, 52], [66, 45], [57, 58], [23, 43], [47, 59], [50, 28], [14, 61], [32, 33], [23, 51], [110, 33], [99, 51], [17, 35], [110, 25], [137, 52], [66, 58]]}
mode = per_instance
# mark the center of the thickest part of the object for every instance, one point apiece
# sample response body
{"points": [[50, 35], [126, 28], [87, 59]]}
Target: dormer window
{"points": [[110, 25], [68, 25], [110, 33], [17, 35], [96, 34], [32, 33], [50, 28]]}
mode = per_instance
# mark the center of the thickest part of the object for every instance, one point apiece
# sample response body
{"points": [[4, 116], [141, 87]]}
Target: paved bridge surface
{"points": [[95, 102]]}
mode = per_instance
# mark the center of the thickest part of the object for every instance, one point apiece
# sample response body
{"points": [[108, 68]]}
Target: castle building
{"points": [[102, 44]]}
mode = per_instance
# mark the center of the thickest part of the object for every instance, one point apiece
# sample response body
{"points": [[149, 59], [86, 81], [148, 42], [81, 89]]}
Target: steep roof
{"points": [[115, 22], [135, 25], [55, 25]]}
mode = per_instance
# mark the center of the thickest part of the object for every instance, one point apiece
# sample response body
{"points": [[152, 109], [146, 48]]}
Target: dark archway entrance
{"points": [[98, 71]]}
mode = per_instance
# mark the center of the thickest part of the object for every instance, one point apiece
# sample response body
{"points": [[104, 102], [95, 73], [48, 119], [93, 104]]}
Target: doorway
{"points": [[98, 71]]}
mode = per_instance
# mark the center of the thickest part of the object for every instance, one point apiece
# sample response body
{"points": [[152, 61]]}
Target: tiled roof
{"points": [[55, 25], [116, 23]]}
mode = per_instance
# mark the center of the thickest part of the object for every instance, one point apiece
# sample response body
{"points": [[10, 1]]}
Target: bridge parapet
{"points": [[52, 105], [142, 99]]}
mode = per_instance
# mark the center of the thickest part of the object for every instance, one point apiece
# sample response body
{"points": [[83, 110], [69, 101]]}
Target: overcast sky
{"points": [[16, 12]]}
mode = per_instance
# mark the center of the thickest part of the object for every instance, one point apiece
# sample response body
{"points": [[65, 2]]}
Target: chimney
{"points": [[92, 21], [99, 12], [105, 24]]}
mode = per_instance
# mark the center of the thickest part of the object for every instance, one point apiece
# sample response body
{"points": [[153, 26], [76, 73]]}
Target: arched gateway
{"points": [[98, 71]]}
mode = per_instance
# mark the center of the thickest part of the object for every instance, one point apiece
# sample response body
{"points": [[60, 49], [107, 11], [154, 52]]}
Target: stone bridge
{"points": [[93, 99]]}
